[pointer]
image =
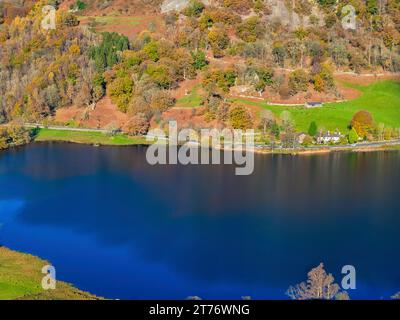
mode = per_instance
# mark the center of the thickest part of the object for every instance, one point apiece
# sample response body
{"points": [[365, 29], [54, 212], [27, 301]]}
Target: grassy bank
{"points": [[382, 99], [87, 137], [21, 278]]}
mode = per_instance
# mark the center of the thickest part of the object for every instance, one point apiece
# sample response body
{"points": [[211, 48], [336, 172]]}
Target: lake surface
{"points": [[117, 227]]}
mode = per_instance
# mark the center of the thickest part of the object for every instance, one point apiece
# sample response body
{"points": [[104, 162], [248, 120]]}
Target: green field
{"points": [[21, 278], [87, 137], [382, 99], [192, 100]]}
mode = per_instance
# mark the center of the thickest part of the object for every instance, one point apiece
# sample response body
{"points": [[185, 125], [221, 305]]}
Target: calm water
{"points": [[117, 227]]}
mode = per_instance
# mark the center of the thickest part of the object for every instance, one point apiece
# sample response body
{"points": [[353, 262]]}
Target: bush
{"points": [[199, 60], [250, 29], [298, 81], [313, 129], [353, 136], [240, 118], [80, 5], [194, 8], [284, 91]]}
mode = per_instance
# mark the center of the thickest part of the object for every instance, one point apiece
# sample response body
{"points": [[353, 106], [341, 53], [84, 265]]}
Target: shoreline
{"points": [[96, 139], [21, 277], [325, 150], [370, 147]]}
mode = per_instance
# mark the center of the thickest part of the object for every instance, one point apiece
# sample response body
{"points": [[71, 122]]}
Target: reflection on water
{"points": [[114, 225]]}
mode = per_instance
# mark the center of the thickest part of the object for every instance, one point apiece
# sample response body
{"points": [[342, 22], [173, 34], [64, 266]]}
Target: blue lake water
{"points": [[117, 227]]}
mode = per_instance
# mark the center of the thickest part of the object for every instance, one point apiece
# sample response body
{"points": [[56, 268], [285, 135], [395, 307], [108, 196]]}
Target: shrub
{"points": [[313, 129], [80, 5], [353, 136], [194, 8], [298, 81], [250, 29], [240, 118]]}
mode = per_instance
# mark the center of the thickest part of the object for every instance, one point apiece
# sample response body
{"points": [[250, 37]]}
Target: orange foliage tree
{"points": [[363, 123]]}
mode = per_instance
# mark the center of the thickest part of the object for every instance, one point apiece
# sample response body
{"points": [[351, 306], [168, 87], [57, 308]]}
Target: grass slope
{"points": [[21, 278], [382, 99], [87, 137], [192, 100]]}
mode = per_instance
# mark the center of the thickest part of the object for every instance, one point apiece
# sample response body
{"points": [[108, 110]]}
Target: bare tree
{"points": [[319, 285], [267, 118]]}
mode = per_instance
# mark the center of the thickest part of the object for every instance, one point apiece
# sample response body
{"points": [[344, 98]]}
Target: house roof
{"points": [[314, 103]]}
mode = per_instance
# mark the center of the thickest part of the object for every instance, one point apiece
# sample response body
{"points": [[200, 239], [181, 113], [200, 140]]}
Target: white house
{"points": [[301, 136], [329, 137]]}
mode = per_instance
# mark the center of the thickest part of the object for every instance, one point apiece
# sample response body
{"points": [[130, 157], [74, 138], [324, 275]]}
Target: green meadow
{"points": [[87, 137], [381, 99], [192, 100]]}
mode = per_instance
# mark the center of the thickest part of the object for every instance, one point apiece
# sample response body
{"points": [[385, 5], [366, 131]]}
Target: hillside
{"points": [[140, 60]]}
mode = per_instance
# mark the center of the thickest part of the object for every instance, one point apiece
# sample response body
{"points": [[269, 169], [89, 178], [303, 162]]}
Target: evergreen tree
{"points": [[313, 129]]}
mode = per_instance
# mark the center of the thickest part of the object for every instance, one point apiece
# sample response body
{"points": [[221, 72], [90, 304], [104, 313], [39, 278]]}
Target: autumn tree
{"points": [[298, 81], [44, 70], [363, 123], [218, 39], [120, 91], [319, 286], [3, 138], [137, 125], [323, 80], [264, 78], [13, 135], [240, 118], [217, 78], [250, 29]]}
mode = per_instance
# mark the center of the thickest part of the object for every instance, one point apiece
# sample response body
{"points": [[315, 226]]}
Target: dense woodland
{"points": [[41, 70]]}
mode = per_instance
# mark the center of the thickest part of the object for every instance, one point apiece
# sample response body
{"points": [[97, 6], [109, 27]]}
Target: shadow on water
{"points": [[114, 225]]}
